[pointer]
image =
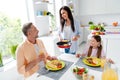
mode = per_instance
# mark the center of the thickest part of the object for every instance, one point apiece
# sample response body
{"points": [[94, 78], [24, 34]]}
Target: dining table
{"points": [[67, 72]]}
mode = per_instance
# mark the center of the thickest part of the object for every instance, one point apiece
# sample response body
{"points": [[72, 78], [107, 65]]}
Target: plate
{"points": [[55, 65], [92, 61]]}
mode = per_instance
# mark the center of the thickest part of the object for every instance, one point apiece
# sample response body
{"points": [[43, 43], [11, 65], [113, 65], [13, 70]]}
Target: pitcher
{"points": [[110, 72]]}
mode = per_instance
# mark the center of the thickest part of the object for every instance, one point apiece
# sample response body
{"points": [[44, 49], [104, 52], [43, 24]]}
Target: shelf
{"points": [[40, 2], [41, 16]]}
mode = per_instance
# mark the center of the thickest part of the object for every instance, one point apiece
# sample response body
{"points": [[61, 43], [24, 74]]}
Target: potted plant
{"points": [[12, 50], [1, 61]]}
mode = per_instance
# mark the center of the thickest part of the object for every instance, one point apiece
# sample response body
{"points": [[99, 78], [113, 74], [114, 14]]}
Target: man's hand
{"points": [[41, 57], [52, 58]]}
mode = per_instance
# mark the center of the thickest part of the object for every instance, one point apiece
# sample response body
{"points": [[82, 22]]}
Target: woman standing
{"points": [[69, 29]]}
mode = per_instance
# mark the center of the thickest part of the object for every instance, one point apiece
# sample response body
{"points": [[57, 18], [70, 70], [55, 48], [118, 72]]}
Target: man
{"points": [[31, 51]]}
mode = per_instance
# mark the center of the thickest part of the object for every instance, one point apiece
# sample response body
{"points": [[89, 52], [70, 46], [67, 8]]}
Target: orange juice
{"points": [[109, 74], [41, 52]]}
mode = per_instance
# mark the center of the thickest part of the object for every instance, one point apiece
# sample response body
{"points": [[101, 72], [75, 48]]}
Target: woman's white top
{"points": [[67, 33]]}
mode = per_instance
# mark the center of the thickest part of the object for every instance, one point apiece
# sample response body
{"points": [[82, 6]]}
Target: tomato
{"points": [[82, 70], [59, 65]]}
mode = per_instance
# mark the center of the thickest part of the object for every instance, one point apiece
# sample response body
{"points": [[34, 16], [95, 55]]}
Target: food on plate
{"points": [[55, 64], [65, 44], [93, 61], [65, 40]]}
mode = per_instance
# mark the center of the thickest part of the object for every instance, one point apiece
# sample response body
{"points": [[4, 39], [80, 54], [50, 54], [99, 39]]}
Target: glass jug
{"points": [[110, 72]]}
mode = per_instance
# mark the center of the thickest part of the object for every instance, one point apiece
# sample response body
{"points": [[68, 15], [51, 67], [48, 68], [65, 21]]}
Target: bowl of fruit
{"points": [[79, 71]]}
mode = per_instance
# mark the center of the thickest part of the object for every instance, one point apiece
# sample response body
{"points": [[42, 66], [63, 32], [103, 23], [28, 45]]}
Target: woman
{"points": [[69, 30]]}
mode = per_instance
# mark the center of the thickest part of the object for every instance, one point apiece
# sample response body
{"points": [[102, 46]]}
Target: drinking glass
{"points": [[103, 61]]}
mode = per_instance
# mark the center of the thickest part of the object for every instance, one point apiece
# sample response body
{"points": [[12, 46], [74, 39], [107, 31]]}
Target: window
{"points": [[10, 27]]}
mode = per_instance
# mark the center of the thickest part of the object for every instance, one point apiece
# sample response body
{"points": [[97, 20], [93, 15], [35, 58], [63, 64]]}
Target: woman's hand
{"points": [[75, 38], [110, 61]]}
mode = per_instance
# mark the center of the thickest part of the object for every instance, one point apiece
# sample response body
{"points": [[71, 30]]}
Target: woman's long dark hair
{"points": [[98, 39], [62, 21]]}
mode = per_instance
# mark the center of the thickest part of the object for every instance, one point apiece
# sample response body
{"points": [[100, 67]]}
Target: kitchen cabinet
{"points": [[112, 47], [81, 39], [88, 7], [73, 5], [113, 51], [112, 29], [86, 33], [37, 13]]}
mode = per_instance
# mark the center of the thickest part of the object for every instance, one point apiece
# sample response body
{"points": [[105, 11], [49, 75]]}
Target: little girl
{"points": [[95, 49]]}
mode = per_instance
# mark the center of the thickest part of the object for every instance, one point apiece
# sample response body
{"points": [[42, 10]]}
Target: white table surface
{"points": [[68, 75]]}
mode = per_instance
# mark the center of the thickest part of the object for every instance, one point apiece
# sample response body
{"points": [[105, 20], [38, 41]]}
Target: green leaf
{"points": [[90, 22]]}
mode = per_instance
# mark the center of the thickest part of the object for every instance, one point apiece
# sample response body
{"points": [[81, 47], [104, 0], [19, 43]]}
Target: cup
{"points": [[41, 52], [103, 61], [42, 55]]}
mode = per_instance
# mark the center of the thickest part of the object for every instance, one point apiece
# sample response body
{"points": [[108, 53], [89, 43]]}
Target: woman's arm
{"points": [[77, 31]]}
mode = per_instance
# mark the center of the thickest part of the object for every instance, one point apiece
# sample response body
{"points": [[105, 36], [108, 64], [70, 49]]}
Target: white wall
{"points": [[106, 11], [108, 19]]}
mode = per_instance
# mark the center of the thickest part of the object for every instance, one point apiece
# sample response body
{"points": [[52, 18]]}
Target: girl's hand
{"points": [[83, 55], [110, 61], [78, 55]]}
